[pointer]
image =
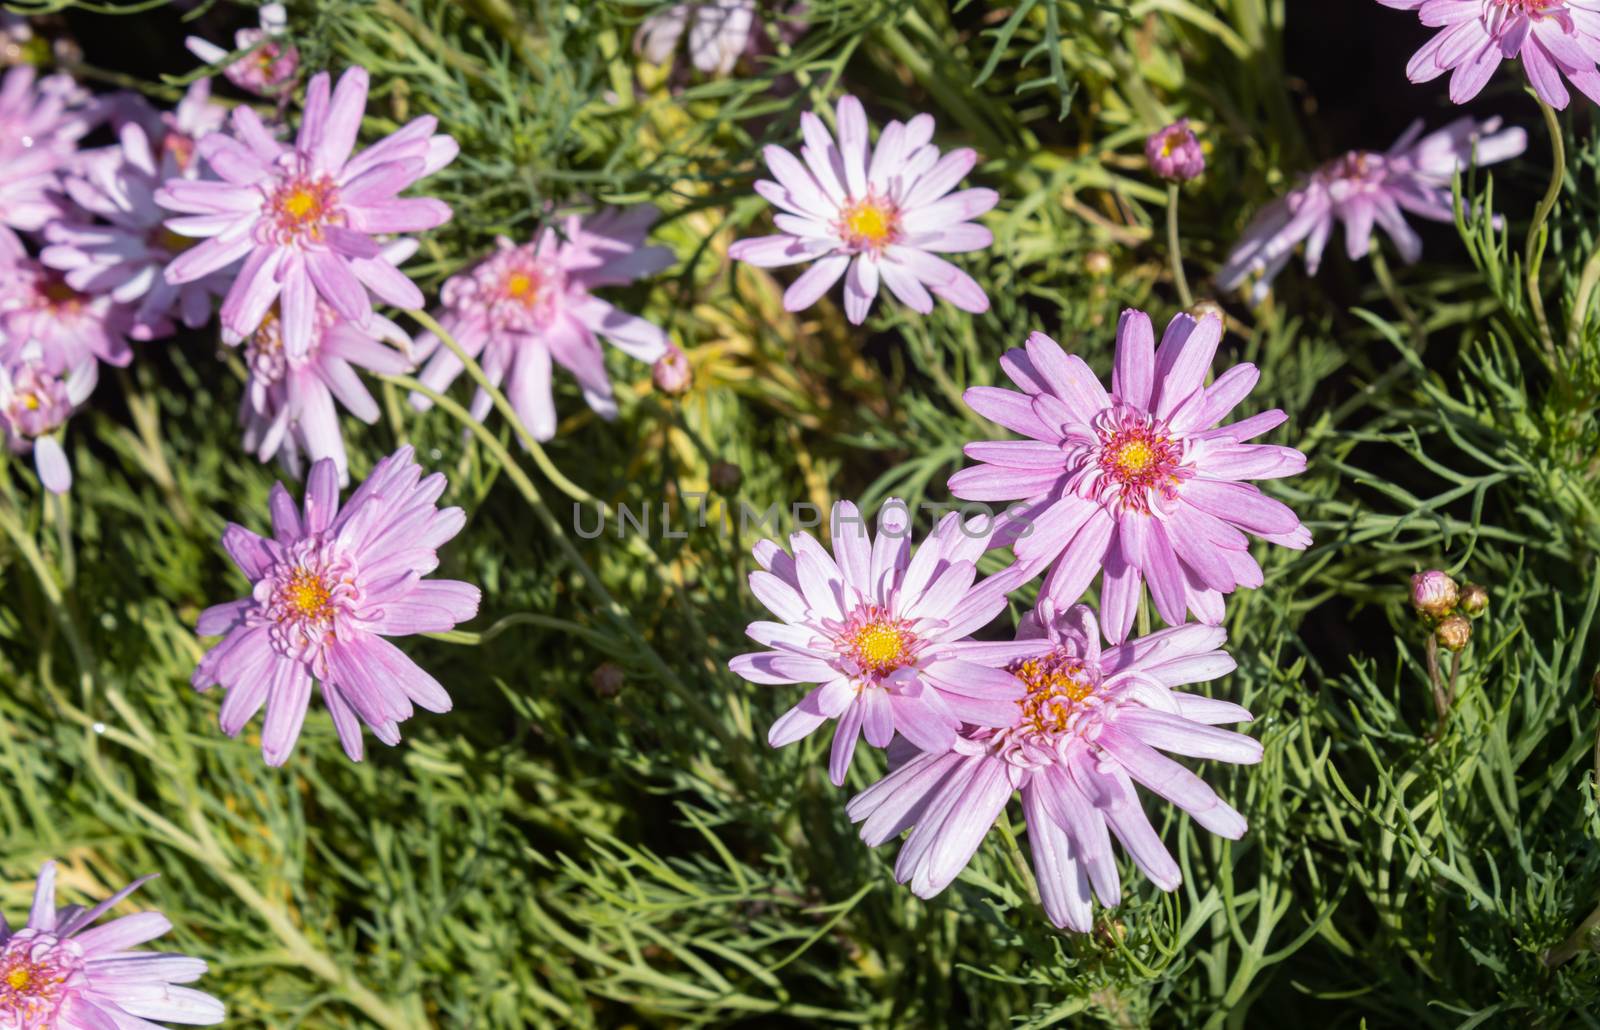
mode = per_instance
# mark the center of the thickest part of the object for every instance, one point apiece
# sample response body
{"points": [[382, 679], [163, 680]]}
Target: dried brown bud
{"points": [[1454, 632], [607, 679], [725, 477]]}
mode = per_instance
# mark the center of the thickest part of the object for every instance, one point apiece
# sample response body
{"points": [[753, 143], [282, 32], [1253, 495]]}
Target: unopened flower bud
{"points": [[1175, 154], [672, 373], [1097, 263], [607, 679], [1433, 594], [1454, 632], [1207, 308], [725, 477], [1474, 599]]}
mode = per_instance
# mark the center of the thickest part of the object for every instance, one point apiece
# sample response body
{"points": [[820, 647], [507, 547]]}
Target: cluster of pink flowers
{"points": [[1144, 483]]}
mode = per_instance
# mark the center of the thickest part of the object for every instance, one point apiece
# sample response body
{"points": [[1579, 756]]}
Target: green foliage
{"points": [[555, 854]]}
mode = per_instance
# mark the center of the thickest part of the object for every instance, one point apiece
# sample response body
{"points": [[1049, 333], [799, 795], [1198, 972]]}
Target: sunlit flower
{"points": [[1090, 726], [57, 972], [885, 634], [41, 121], [39, 307], [270, 65], [327, 589], [720, 32], [1364, 189], [124, 254], [304, 218], [1552, 38], [34, 403], [1174, 153], [527, 305], [880, 213], [289, 402], [175, 134], [1142, 481]]}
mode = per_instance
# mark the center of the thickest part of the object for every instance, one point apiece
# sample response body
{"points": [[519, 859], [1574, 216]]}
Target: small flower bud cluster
{"points": [[1447, 607]]}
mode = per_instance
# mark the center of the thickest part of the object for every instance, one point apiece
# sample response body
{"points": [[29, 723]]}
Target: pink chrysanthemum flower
{"points": [[720, 33], [269, 66], [175, 134], [1174, 153], [288, 406], [38, 306], [1552, 38], [884, 633], [1091, 725], [880, 213], [1364, 189], [524, 306], [1141, 482], [125, 256], [304, 218], [328, 588], [34, 403], [40, 124], [56, 972]]}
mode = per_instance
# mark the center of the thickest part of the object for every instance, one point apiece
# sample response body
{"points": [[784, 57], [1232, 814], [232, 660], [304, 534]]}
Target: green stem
{"points": [[1174, 253], [1578, 320], [1538, 231]]}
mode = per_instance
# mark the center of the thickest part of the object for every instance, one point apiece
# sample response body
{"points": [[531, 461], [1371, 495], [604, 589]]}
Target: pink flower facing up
{"points": [[40, 124], [883, 632], [1551, 37], [288, 405], [1364, 189], [34, 403], [125, 253], [1092, 724], [70, 327], [527, 305], [327, 588], [57, 972], [877, 213], [271, 64], [304, 217], [1142, 481], [1174, 153]]}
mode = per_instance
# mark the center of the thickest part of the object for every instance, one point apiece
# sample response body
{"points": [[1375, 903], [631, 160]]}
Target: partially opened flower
{"points": [[872, 214], [1174, 153], [305, 218], [1142, 482], [36, 402], [1552, 38], [327, 590], [40, 124], [125, 253], [289, 402], [39, 307], [58, 972], [885, 634], [269, 66], [528, 305], [1091, 725], [720, 33], [1364, 189]]}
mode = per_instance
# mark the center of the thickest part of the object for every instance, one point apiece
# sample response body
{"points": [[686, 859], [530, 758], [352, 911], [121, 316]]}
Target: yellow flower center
{"points": [[20, 979], [1056, 687], [877, 642], [1134, 457], [880, 644], [870, 224], [522, 286], [31, 401], [305, 595], [301, 203]]}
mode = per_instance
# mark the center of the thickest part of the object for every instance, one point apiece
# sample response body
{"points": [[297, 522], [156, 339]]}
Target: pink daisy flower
{"points": [[327, 590], [304, 217], [1364, 189], [125, 254], [57, 972], [289, 402], [34, 404], [40, 124], [268, 67], [1552, 38], [1091, 725], [872, 214], [527, 305], [38, 306], [884, 632], [1141, 481]]}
